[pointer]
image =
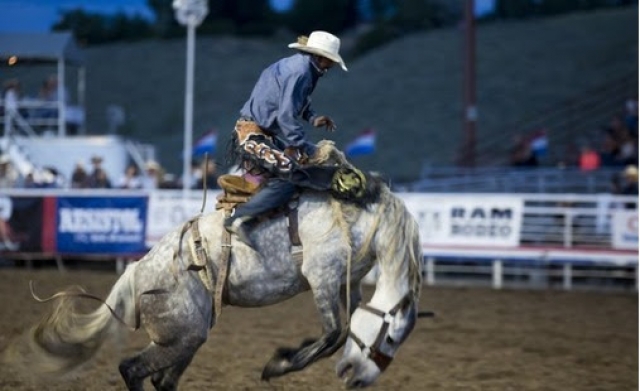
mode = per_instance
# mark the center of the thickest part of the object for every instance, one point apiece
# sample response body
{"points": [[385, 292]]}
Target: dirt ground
{"points": [[480, 340]]}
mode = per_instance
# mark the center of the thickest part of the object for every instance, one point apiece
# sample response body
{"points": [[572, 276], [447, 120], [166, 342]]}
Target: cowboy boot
{"points": [[276, 192], [237, 226]]}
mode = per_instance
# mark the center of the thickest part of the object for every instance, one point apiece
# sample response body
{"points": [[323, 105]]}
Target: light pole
{"points": [[470, 108], [189, 13]]}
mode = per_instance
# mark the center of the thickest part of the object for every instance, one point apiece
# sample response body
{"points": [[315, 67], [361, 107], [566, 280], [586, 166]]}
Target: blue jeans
{"points": [[274, 194]]}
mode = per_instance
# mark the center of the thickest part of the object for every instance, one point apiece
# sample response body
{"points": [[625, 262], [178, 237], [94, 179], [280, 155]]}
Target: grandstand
{"points": [[415, 102], [567, 74]]}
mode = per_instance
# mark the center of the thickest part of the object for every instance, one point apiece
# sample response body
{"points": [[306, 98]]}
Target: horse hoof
{"points": [[307, 342], [276, 367]]}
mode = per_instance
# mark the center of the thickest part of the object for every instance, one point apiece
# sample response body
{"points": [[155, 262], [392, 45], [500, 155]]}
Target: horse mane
{"points": [[403, 234], [328, 154], [403, 241], [401, 228]]}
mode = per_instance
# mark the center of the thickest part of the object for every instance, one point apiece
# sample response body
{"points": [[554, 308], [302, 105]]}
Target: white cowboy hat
{"points": [[321, 43]]}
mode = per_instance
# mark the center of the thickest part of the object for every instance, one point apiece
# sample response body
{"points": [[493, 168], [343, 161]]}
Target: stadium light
{"points": [[189, 13]]}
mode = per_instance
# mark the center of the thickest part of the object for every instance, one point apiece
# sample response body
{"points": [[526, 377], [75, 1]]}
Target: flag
{"points": [[205, 144], [539, 143], [364, 144]]}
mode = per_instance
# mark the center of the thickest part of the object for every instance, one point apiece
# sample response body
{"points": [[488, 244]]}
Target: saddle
{"points": [[237, 190]]}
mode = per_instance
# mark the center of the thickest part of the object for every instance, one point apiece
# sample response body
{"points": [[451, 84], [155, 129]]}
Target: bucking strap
{"points": [[294, 236], [223, 271]]}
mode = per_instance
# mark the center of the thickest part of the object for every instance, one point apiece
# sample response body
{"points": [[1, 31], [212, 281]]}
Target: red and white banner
{"points": [[467, 220]]}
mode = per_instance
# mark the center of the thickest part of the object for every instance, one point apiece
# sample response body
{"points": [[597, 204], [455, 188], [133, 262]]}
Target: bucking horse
{"points": [[177, 290]]}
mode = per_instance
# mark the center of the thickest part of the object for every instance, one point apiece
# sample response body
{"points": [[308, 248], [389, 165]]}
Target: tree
{"points": [[165, 25], [94, 28], [331, 15]]}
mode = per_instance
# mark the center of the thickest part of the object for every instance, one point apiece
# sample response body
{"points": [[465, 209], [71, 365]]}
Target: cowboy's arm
{"points": [[293, 95], [309, 115]]}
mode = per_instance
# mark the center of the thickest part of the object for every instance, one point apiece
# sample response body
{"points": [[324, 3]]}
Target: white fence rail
{"points": [[501, 240]]}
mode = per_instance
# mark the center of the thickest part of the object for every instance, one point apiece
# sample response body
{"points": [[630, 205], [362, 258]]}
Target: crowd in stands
{"points": [[152, 177], [614, 146]]}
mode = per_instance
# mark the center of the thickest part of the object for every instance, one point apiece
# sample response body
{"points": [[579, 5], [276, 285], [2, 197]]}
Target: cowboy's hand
{"points": [[325, 121]]}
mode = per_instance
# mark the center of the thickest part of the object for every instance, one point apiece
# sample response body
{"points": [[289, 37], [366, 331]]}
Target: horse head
{"points": [[378, 328], [375, 335]]}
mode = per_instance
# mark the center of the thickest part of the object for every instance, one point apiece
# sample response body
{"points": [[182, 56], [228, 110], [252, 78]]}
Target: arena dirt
{"points": [[481, 339]]}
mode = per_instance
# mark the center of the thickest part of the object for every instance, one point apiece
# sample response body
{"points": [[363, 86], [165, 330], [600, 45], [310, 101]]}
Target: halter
{"points": [[381, 359]]}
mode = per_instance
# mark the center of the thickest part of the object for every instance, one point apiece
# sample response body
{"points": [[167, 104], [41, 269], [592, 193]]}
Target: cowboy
{"points": [[270, 136]]}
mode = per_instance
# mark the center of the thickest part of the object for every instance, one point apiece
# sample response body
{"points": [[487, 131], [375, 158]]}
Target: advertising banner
{"points": [[20, 224], [166, 213], [113, 225], [465, 220], [624, 229]]}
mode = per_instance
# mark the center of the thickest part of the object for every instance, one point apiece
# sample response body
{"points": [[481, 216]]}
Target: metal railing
{"points": [[37, 113], [512, 180]]}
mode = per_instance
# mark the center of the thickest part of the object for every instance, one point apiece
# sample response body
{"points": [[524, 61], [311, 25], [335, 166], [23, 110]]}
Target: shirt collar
{"points": [[318, 72]]}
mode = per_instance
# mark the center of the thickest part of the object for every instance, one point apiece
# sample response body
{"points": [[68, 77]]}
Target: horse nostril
{"points": [[357, 383]]}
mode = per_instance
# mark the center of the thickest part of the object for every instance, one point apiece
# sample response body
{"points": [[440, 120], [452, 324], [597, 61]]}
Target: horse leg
{"points": [[326, 294], [167, 379], [354, 298], [156, 358], [178, 325]]}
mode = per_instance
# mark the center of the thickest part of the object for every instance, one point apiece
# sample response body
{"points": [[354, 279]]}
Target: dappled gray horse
{"points": [[172, 304]]}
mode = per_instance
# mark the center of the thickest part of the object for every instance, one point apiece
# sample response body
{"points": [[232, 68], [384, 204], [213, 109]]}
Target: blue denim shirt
{"points": [[281, 99]]}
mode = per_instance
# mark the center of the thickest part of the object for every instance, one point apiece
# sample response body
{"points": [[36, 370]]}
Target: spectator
{"points": [[153, 176], [50, 93], [29, 182], [11, 95], [521, 153], [628, 148], [211, 176], [79, 176], [630, 179], [98, 179], [8, 175], [50, 177], [53, 92], [6, 234], [589, 159], [169, 181], [631, 116], [609, 150], [131, 178]]}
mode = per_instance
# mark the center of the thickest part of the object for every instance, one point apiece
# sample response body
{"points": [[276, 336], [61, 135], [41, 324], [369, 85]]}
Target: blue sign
{"points": [[105, 225]]}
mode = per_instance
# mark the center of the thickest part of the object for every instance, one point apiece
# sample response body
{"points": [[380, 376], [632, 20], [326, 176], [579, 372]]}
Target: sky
{"points": [[40, 15]]}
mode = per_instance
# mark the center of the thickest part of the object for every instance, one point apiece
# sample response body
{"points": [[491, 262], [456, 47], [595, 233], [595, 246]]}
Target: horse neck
{"points": [[398, 254], [390, 289]]}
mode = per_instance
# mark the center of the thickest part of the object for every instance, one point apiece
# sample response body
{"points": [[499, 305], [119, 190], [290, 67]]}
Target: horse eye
{"points": [[390, 340]]}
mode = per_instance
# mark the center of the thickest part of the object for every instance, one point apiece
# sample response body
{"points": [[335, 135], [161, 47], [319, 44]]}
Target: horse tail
{"points": [[66, 338]]}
